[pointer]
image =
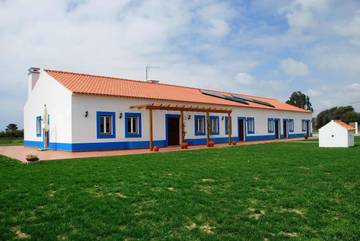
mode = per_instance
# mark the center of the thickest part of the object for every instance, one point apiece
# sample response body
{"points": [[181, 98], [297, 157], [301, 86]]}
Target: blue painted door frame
{"points": [[244, 126], [167, 116]]}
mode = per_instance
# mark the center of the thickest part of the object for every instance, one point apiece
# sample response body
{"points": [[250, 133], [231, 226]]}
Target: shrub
{"points": [[32, 158], [211, 144], [184, 145]]}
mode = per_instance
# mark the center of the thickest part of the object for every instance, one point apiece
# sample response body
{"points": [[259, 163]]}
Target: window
{"points": [[291, 125], [271, 125], [105, 124], [132, 125], [303, 125], [38, 126], [226, 125], [214, 125], [199, 125], [250, 125]]}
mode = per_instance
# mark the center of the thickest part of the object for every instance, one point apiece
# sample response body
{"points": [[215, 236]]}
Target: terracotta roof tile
{"points": [[347, 126], [111, 86]]}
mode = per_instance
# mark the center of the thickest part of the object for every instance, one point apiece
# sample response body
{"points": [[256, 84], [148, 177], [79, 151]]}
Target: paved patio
{"points": [[20, 152]]}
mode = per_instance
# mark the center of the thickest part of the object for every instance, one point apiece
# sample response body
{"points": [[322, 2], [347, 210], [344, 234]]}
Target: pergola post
{"points": [[229, 128], [151, 130], [207, 127], [181, 127]]}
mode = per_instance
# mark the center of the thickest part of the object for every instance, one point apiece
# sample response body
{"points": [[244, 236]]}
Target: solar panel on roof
{"points": [[254, 100], [222, 96], [236, 98], [212, 93]]}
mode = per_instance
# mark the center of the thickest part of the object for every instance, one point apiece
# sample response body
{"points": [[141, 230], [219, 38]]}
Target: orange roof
{"points": [[111, 86], [343, 124]]}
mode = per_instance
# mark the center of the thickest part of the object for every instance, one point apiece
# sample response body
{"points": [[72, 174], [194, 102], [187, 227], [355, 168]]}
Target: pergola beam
{"points": [[181, 108]]}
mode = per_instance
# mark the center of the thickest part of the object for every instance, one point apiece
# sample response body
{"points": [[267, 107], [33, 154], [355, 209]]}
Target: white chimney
{"points": [[34, 75]]}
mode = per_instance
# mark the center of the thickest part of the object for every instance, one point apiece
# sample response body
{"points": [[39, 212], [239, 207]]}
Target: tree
{"points": [[344, 113], [11, 128], [300, 100]]}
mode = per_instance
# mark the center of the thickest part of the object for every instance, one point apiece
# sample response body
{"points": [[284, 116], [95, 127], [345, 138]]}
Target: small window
{"points": [[250, 125], [303, 125], [291, 125], [105, 124], [132, 125], [226, 125], [38, 126], [199, 125], [214, 125], [271, 125]]}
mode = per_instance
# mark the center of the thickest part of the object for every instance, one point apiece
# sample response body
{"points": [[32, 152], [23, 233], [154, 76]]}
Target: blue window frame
{"points": [[214, 125], [226, 125], [200, 125], [132, 125], [105, 124], [291, 125], [303, 125], [250, 125], [271, 125], [38, 126]]}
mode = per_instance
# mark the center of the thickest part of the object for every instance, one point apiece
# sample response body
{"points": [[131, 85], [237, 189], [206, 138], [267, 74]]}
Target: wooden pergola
{"points": [[182, 108]]}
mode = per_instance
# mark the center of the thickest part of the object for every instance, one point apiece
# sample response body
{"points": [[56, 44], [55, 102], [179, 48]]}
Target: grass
{"points": [[278, 191], [11, 141]]}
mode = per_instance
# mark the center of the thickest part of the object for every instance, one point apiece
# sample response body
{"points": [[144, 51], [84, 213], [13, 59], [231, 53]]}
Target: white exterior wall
{"points": [[84, 128], [69, 126], [334, 135], [58, 101]]}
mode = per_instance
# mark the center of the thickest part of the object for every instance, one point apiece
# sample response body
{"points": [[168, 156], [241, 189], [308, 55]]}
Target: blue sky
{"points": [[269, 48]]}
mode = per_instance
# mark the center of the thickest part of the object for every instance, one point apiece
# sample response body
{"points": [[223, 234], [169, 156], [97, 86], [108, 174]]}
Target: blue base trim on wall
{"points": [[95, 146], [142, 144]]}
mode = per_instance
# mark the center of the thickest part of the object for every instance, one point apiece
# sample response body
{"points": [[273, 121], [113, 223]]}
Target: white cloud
{"points": [[313, 93], [354, 87], [293, 67], [244, 78], [350, 28], [303, 14]]}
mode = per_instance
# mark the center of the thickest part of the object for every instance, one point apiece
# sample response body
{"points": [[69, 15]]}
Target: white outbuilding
{"points": [[336, 134]]}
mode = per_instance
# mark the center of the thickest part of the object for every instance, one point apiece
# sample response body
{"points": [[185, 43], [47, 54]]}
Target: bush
{"points": [[32, 158], [17, 133], [184, 145], [211, 144]]}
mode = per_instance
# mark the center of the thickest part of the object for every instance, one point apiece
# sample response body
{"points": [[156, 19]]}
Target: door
{"points": [[277, 129], [241, 128], [285, 128], [173, 130], [307, 128]]}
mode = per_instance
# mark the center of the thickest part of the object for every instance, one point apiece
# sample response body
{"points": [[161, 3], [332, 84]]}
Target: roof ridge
{"points": [[144, 81]]}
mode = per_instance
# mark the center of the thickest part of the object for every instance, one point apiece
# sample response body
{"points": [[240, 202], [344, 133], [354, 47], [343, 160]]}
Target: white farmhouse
{"points": [[90, 112], [336, 134]]}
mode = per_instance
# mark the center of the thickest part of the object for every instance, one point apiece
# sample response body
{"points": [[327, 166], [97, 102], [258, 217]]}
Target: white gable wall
{"points": [[334, 135], [58, 101]]}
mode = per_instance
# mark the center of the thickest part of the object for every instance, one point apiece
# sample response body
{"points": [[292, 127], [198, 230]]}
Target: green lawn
{"points": [[275, 191], [11, 141]]}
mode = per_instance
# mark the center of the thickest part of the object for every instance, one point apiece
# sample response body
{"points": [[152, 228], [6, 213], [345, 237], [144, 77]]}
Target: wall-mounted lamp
{"points": [[120, 115], [86, 113], [189, 117]]}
